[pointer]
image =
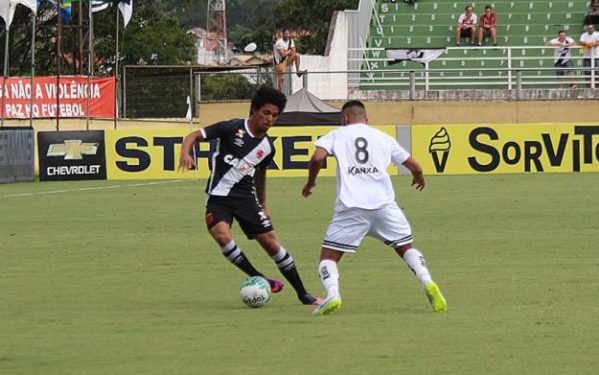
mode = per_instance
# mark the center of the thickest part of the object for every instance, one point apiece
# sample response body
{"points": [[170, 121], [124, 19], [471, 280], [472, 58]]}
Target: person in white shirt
{"points": [[365, 202], [285, 54], [562, 56], [589, 41], [466, 26]]}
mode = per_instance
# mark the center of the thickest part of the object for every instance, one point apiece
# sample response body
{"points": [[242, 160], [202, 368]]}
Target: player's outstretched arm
{"points": [[314, 166], [416, 170], [185, 160]]}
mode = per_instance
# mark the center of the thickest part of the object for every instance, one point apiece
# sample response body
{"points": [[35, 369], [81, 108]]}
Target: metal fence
{"points": [[169, 92], [17, 154]]}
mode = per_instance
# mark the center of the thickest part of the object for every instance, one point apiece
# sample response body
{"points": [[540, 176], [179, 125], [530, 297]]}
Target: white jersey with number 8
{"points": [[363, 155]]}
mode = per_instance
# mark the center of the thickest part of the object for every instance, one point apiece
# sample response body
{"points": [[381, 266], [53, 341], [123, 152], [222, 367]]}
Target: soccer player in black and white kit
{"points": [[236, 187], [365, 201]]}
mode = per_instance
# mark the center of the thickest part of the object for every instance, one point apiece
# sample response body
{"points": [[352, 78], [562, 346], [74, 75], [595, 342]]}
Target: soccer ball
{"points": [[254, 291]]}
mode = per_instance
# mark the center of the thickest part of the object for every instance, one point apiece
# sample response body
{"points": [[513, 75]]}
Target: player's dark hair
{"points": [[561, 31], [352, 103], [488, 7], [268, 95]]}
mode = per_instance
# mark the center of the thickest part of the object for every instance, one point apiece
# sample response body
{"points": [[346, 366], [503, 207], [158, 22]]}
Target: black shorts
{"points": [[466, 33], [562, 68], [587, 64], [247, 211]]}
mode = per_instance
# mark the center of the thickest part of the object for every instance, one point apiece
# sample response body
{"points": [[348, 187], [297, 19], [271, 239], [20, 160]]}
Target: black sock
{"points": [[286, 265], [234, 254]]}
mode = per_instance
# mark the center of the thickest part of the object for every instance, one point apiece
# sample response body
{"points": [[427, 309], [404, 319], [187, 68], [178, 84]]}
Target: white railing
{"points": [[512, 60]]}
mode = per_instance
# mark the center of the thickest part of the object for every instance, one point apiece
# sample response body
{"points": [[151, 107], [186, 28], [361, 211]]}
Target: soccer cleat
{"points": [[328, 306], [435, 297], [275, 285], [309, 300]]}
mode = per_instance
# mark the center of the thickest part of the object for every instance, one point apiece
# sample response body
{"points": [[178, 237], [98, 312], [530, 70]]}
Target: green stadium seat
{"points": [[431, 24], [521, 6]]}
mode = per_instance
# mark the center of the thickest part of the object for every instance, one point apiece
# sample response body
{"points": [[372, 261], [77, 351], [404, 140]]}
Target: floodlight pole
{"points": [[33, 17], [90, 41], [5, 73], [191, 102], [80, 40], [90, 60], [10, 4], [58, 64], [116, 72], [217, 25]]}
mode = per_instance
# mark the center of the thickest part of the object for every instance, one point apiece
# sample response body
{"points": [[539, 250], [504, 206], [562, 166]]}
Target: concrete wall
{"points": [[322, 82]]}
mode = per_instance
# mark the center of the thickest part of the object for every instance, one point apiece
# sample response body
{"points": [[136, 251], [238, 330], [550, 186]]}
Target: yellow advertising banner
{"points": [[154, 154], [506, 148]]}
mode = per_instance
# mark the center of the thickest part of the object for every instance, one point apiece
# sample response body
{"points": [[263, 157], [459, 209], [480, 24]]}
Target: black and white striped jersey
{"points": [[238, 154]]}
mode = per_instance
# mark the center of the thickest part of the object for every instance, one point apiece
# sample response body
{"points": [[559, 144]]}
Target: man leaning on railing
{"points": [[589, 42], [562, 57]]}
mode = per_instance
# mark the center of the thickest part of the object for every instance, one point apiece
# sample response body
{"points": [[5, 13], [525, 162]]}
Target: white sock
{"points": [[415, 260], [329, 276]]}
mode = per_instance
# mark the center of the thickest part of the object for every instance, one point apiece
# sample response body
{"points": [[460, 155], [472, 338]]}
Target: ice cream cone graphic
{"points": [[439, 149]]}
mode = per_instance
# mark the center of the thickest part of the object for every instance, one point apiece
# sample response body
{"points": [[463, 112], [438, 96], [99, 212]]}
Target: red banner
{"points": [[74, 96]]}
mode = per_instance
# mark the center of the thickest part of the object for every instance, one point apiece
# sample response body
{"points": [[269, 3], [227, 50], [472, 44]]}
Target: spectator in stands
{"points": [[488, 25], [284, 55], [589, 41], [562, 56], [592, 17], [466, 26]]}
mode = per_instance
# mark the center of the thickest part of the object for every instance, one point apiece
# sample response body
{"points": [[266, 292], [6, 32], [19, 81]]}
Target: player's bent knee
{"points": [[221, 232], [330, 254], [401, 250], [222, 238]]}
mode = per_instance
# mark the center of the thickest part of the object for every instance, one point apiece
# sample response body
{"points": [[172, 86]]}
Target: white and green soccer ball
{"points": [[254, 291]]}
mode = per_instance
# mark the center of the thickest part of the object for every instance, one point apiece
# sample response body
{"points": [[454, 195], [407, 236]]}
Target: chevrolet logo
{"points": [[72, 149]]}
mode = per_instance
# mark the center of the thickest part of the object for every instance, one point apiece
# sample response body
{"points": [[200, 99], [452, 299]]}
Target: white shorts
{"points": [[350, 225]]}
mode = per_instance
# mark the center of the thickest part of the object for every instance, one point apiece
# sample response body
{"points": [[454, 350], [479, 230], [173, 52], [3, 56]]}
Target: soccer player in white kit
{"points": [[365, 202]]}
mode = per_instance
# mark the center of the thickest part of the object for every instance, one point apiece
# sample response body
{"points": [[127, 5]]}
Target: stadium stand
{"points": [[430, 24]]}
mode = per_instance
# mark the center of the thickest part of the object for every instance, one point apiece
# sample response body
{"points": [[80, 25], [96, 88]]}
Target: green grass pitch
{"points": [[122, 278]]}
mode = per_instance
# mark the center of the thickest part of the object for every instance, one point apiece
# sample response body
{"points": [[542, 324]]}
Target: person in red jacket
{"points": [[488, 25]]}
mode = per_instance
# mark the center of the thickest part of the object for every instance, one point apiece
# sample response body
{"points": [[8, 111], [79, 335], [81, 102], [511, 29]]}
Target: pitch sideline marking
{"points": [[90, 188]]}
